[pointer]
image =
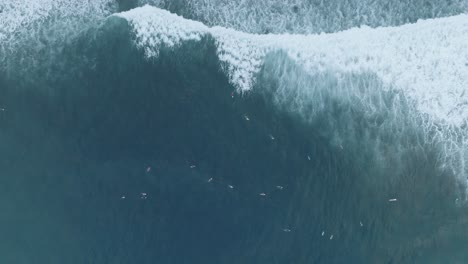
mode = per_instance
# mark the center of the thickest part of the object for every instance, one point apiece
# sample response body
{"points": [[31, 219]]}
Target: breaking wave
{"points": [[327, 127], [422, 65]]}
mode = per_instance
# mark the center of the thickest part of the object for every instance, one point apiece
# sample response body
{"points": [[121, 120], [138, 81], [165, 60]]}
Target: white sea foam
{"points": [[310, 16], [155, 28], [427, 60], [19, 15], [33, 31]]}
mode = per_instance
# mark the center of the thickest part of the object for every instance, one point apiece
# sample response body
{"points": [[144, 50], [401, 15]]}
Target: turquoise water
{"points": [[106, 157]]}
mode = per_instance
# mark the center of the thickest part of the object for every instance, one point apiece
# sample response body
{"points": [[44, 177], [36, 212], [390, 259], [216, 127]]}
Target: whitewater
{"points": [[427, 61]]}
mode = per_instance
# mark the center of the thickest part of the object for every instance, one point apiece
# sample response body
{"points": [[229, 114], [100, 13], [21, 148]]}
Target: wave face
{"points": [[145, 137]]}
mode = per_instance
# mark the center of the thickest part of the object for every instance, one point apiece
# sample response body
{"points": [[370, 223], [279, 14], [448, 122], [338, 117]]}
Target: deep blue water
{"points": [[110, 124]]}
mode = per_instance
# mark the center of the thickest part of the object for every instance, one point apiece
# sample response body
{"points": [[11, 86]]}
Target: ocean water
{"points": [[129, 134]]}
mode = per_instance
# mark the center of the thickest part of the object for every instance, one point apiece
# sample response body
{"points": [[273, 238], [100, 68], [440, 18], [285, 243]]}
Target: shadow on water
{"points": [[112, 124]]}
